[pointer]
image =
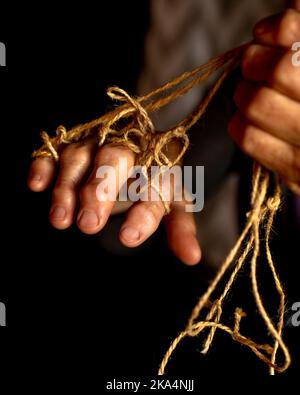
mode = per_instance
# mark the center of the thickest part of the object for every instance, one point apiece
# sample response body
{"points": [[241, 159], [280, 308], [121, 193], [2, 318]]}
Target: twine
{"points": [[129, 125], [261, 215]]}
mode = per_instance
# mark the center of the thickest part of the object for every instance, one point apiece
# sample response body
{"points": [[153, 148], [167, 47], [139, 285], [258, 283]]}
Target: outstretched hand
{"points": [[75, 199]]}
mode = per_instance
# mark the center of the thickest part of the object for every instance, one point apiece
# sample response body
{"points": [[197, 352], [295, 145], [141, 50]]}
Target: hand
{"points": [[267, 123], [76, 185]]}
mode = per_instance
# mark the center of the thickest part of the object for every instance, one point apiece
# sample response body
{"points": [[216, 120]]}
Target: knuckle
{"points": [[284, 75], [280, 74], [63, 183], [60, 191], [155, 211], [247, 60], [151, 213], [258, 103], [249, 142], [75, 155], [288, 29], [253, 101], [105, 155], [112, 154], [68, 181]]}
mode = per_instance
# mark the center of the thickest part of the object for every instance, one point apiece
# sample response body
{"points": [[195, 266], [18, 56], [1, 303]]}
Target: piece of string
{"points": [[138, 133], [260, 217], [130, 125]]}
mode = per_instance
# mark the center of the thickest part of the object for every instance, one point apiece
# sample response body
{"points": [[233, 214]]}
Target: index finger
{"points": [[98, 195]]}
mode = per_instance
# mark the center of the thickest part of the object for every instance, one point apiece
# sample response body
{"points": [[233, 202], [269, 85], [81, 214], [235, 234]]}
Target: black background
{"points": [[71, 306]]}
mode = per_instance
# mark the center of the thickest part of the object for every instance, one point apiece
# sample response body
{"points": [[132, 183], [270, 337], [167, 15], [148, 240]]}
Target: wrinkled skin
{"points": [[267, 123]]}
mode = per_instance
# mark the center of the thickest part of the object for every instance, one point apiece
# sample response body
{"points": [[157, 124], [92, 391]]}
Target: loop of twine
{"points": [[130, 125], [138, 130], [138, 134]]}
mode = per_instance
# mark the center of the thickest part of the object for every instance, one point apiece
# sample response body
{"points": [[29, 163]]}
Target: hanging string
{"points": [[130, 125]]}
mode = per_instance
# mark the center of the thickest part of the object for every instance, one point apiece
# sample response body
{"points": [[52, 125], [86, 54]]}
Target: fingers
{"points": [[282, 29], [273, 153], [181, 232], [267, 125], [144, 218], [40, 174], [141, 222], [270, 111], [98, 195], [274, 67], [75, 161]]}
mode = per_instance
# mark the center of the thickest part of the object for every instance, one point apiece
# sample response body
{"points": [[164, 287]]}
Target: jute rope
{"points": [[130, 125], [259, 218]]}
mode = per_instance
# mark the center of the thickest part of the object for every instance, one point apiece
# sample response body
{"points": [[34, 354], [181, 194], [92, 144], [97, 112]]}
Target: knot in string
{"points": [[130, 125], [139, 134]]}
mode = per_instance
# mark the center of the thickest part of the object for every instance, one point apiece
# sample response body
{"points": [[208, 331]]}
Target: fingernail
{"points": [[58, 213], [36, 177], [88, 219], [130, 234]]}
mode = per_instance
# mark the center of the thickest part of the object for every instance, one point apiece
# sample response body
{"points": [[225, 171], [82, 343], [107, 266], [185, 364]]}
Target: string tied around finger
{"points": [[130, 125]]}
